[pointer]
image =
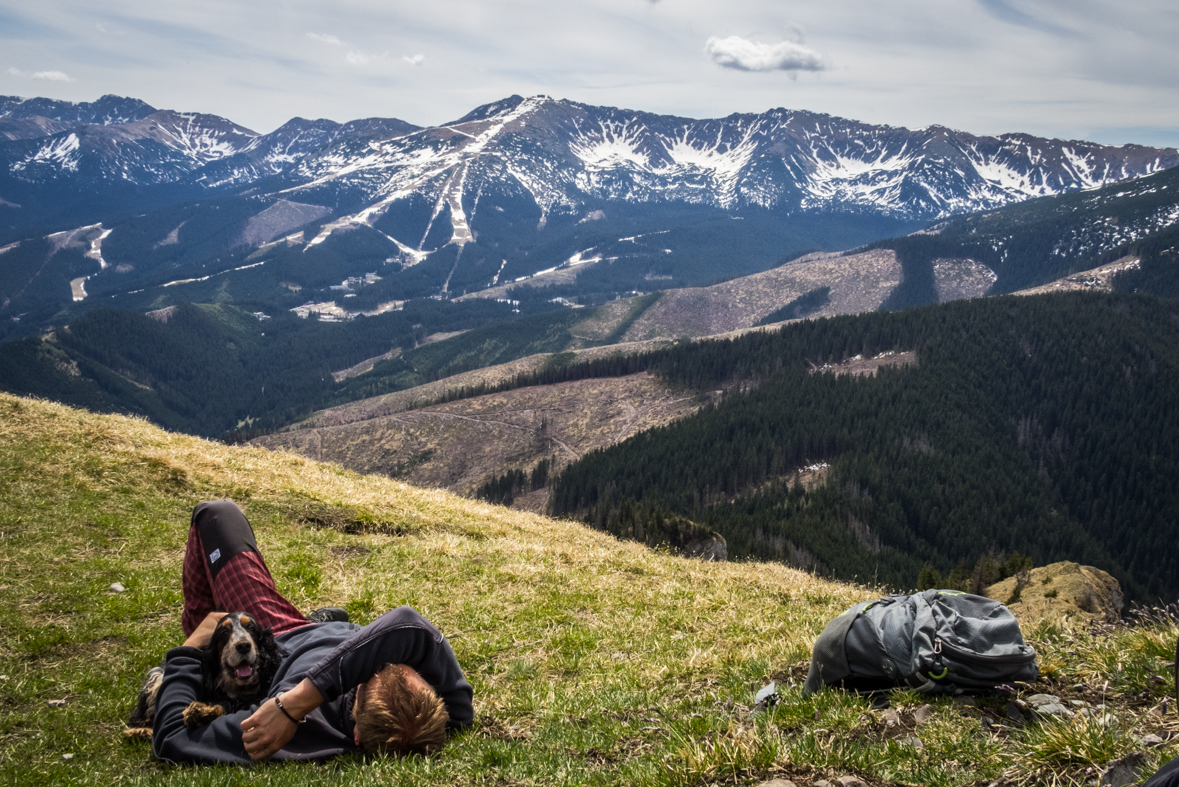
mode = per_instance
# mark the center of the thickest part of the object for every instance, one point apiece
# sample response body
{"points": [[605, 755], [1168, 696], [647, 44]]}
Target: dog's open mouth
{"points": [[244, 672]]}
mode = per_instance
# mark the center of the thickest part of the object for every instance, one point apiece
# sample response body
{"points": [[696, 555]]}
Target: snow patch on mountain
{"points": [[95, 251], [611, 145], [61, 152], [195, 136]]}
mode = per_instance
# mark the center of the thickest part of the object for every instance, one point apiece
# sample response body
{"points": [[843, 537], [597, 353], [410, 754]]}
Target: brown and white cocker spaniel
{"points": [[237, 667]]}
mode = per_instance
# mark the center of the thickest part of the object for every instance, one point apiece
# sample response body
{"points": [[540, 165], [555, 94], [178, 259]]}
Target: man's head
{"points": [[396, 711]]}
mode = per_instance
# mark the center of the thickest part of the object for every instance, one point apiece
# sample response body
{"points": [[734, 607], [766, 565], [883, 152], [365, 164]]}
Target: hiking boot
{"points": [[328, 615]]}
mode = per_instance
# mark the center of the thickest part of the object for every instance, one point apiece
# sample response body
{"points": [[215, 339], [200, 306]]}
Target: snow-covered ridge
{"points": [[561, 155]]}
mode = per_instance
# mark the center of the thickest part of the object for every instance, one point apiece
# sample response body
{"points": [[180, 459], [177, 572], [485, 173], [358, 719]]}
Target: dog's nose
{"points": [[243, 647]]}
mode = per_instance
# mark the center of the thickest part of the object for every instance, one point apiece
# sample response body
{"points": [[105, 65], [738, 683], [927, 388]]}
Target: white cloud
{"points": [[415, 60], [48, 76], [325, 38], [359, 58], [744, 55]]}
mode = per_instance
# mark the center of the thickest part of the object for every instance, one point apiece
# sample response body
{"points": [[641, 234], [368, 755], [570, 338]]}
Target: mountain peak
{"points": [[490, 110], [106, 110]]}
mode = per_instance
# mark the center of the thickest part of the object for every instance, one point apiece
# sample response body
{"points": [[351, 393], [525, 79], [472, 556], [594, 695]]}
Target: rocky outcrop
{"points": [[711, 547], [1061, 590]]}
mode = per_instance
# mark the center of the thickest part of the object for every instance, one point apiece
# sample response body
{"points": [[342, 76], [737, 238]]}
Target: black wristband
{"points": [[278, 702]]}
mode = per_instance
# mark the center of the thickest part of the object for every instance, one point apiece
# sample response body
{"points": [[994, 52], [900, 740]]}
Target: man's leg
{"points": [[223, 570]]}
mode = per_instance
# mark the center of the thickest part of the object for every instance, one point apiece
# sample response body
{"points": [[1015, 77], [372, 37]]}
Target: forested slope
{"points": [[1046, 425], [1040, 240], [212, 369]]}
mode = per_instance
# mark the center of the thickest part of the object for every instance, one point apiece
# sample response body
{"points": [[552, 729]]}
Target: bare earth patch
{"points": [[461, 444], [859, 365], [1096, 279], [858, 282]]}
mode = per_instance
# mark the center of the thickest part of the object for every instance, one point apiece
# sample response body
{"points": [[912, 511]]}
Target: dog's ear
{"points": [[211, 660], [269, 656]]}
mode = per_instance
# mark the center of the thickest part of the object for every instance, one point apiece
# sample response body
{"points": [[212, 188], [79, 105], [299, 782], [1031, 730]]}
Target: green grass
{"points": [[594, 662]]}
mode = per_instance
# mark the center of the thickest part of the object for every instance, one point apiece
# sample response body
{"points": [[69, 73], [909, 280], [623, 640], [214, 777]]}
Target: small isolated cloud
{"points": [[415, 60], [48, 76], [325, 38], [744, 55], [359, 58]]}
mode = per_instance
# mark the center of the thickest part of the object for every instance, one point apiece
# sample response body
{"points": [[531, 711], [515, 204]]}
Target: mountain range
{"points": [[621, 200]]}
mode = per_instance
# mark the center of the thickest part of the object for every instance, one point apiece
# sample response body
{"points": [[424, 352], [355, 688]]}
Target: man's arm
{"points": [[203, 633], [400, 636], [270, 727]]}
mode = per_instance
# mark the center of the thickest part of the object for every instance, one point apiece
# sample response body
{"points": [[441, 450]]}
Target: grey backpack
{"points": [[937, 641]]}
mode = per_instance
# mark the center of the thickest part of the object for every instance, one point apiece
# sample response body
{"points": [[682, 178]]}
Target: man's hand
{"points": [[204, 632], [269, 729]]}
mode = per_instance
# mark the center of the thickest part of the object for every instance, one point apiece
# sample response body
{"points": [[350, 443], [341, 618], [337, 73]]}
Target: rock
{"points": [[712, 547], [1150, 740], [57, 703], [891, 718], [1042, 699], [67, 757], [822, 783], [1079, 591], [912, 741], [118, 587], [1053, 709], [1048, 705], [778, 783], [851, 781], [1014, 713], [965, 700], [1124, 771], [923, 714]]}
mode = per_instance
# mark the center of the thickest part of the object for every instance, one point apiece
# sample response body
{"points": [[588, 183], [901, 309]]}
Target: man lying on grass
{"points": [[393, 685]]}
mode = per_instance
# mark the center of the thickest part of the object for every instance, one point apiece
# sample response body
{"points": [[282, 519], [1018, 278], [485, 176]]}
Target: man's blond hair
{"points": [[398, 712]]}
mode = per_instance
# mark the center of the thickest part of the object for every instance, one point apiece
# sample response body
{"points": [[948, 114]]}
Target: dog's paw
{"points": [[198, 714], [137, 734]]}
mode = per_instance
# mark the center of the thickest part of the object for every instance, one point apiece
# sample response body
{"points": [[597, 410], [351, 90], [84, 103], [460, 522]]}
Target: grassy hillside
{"points": [[593, 661]]}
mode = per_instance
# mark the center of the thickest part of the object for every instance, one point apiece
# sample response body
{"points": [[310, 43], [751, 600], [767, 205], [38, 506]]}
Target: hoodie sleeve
{"points": [[400, 636], [219, 741]]}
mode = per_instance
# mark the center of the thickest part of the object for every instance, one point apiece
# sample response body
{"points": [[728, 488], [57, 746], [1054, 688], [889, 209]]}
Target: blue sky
{"points": [[1063, 68]]}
